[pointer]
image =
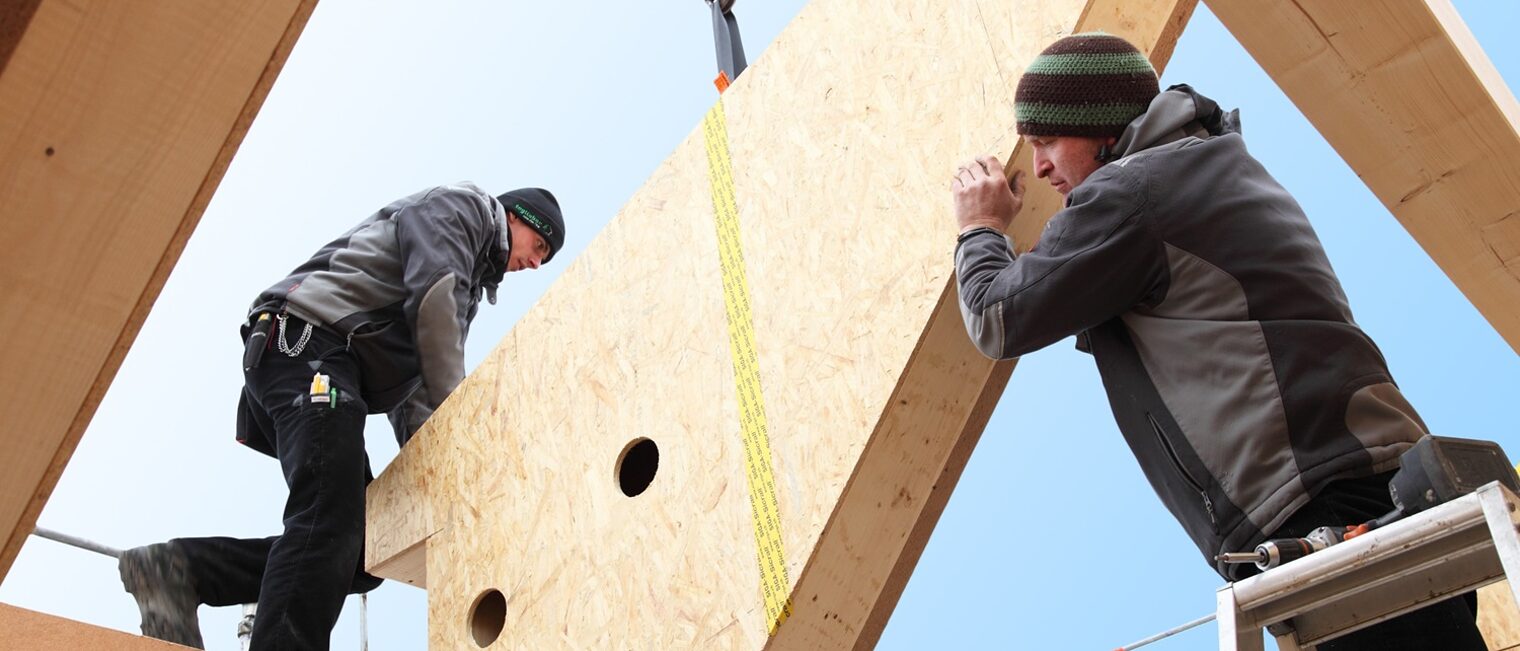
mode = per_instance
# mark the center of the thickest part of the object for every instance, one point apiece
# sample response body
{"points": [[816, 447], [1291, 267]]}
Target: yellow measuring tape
{"points": [[764, 509]]}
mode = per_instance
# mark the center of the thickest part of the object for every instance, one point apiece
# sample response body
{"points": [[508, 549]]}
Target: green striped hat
{"points": [[1090, 84]]}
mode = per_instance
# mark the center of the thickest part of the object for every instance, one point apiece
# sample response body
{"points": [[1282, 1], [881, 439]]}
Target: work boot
{"points": [[158, 576]]}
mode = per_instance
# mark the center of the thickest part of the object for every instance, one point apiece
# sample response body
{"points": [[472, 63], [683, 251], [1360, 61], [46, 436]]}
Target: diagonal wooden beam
{"points": [[27, 630], [1406, 96], [843, 136], [117, 121]]}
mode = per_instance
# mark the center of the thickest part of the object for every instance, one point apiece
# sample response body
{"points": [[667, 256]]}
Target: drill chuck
{"points": [[1273, 553]]}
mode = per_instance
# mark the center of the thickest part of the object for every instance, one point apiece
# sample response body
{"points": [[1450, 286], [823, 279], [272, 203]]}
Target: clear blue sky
{"points": [[1053, 540]]}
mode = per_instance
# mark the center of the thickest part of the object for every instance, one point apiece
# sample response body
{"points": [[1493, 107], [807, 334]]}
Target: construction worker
{"points": [[375, 322], [1255, 405]]}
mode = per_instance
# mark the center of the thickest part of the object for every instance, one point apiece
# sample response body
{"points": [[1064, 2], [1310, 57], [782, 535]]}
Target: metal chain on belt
{"points": [[292, 351]]}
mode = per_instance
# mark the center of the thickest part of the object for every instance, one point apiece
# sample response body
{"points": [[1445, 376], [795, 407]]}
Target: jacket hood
{"points": [[1176, 113]]}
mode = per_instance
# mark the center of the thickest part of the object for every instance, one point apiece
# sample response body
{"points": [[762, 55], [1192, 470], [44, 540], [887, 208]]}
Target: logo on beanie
{"points": [[538, 223]]}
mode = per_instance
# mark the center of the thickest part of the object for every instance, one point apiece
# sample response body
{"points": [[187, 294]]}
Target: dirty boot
{"points": [[159, 577]]}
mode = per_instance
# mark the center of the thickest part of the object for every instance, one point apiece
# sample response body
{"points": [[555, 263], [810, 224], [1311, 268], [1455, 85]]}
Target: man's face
{"points": [[1066, 161], [528, 247]]}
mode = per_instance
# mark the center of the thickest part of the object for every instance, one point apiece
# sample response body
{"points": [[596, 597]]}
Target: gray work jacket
{"points": [[404, 285], [1224, 340]]}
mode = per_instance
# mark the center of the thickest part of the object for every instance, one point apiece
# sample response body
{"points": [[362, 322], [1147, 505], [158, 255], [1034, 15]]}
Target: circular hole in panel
{"points": [[636, 466], [487, 617]]}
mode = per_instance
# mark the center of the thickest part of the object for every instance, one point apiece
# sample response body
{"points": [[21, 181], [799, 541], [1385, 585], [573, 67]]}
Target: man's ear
{"points": [[1106, 149]]}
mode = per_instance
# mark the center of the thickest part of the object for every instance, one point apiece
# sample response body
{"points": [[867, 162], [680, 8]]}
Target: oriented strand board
{"points": [[1497, 617], [117, 120], [27, 630], [844, 136], [1403, 92]]}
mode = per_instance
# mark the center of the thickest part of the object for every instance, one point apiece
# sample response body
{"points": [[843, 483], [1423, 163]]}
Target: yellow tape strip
{"points": [[741, 345]]}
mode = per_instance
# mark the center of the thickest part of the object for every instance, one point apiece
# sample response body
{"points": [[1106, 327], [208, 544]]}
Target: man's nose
{"points": [[534, 261], [1042, 167]]}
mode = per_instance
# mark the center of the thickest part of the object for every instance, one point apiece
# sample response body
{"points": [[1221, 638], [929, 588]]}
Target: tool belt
{"points": [[389, 372], [266, 330]]}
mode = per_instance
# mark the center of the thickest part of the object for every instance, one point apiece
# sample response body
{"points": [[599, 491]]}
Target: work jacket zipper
{"points": [[1208, 504]]}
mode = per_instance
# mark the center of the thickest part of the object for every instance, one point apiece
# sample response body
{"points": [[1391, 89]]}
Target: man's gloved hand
{"points": [[984, 198]]}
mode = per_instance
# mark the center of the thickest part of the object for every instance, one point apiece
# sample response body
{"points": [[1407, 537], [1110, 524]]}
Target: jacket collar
{"points": [[496, 259]]}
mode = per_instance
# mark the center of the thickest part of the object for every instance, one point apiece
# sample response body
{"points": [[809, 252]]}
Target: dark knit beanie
{"points": [[540, 211], [1090, 84]]}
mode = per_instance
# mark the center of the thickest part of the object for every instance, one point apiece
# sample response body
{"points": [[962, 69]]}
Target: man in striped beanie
{"points": [[1254, 404]]}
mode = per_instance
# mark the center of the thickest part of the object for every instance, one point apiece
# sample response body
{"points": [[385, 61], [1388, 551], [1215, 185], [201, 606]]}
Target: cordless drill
{"points": [[1436, 470]]}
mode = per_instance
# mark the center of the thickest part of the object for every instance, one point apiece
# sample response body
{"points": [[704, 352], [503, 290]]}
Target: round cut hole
{"points": [[487, 617], [637, 465]]}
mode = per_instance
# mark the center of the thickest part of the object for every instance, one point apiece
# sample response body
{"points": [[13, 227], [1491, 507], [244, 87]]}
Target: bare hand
{"points": [[984, 197]]}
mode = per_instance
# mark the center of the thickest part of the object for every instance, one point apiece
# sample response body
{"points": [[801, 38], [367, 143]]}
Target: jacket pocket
{"points": [[1192, 482]]}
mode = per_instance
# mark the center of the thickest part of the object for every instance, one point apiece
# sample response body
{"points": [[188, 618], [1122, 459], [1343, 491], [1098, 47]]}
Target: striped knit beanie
{"points": [[1090, 84]]}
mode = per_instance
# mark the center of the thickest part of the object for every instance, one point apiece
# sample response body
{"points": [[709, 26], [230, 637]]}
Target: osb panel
{"points": [[27, 630], [843, 136], [1497, 616], [117, 120], [1404, 93]]}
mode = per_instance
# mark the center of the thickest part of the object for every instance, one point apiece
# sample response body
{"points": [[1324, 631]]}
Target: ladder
{"points": [[1431, 556]]}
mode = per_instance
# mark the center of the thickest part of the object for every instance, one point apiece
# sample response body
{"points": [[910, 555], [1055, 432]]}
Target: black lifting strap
{"points": [[726, 39]]}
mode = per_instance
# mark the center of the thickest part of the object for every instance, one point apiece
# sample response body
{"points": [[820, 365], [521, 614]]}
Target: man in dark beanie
{"points": [[523, 205], [1255, 405], [374, 323]]}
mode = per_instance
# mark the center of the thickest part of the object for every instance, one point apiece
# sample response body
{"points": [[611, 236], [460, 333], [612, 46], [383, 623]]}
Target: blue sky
{"points": [[1053, 540]]}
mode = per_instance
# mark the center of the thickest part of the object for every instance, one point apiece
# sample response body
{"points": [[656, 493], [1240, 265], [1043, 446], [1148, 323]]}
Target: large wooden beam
{"points": [[843, 138], [117, 121], [1403, 92], [26, 630]]}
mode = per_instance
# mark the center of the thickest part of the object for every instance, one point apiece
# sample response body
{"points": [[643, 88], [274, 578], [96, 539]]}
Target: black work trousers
{"points": [[1449, 625], [299, 578]]}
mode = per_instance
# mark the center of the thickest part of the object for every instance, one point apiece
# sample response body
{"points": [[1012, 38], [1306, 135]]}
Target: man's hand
{"points": [[983, 197]]}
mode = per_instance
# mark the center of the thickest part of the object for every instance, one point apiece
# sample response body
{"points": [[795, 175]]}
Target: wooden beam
{"points": [[117, 121], [28, 630], [1407, 97], [14, 17], [843, 138]]}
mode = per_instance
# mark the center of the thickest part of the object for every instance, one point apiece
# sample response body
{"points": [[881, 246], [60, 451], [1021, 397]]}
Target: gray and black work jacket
{"points": [[404, 285], [1223, 337]]}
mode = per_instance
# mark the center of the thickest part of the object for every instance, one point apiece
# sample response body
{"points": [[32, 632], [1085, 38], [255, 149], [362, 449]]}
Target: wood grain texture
{"points": [[117, 121], [1403, 92], [15, 15], [844, 136], [27, 630]]}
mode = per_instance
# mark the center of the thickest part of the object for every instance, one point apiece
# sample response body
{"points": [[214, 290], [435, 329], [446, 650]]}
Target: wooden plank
{"points": [[843, 136], [117, 121], [28, 630], [14, 17], [1407, 97]]}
